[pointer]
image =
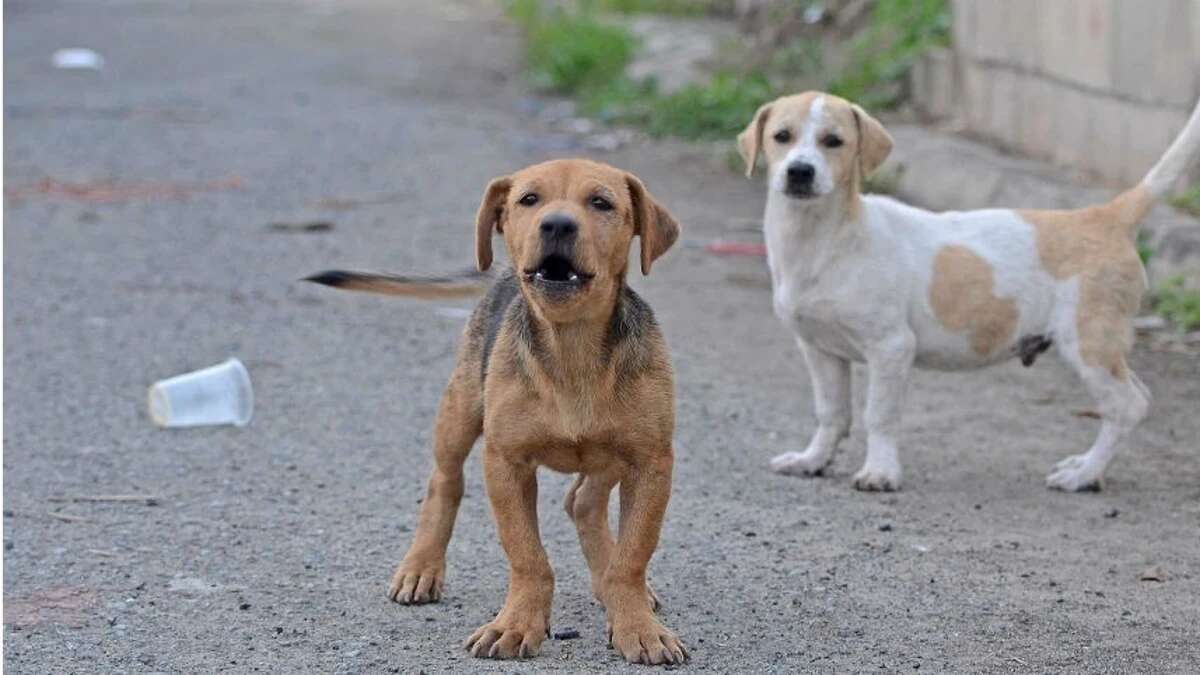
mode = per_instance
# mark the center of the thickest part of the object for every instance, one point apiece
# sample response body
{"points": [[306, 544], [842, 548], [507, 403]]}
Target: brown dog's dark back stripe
{"points": [[457, 286]]}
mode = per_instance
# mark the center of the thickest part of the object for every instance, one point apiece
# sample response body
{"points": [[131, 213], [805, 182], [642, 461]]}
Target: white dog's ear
{"points": [[750, 141], [874, 142], [657, 228], [490, 219]]}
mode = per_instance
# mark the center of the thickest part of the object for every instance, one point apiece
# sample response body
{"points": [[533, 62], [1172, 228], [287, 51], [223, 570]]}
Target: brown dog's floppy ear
{"points": [[750, 141], [489, 218], [651, 222], [874, 142]]}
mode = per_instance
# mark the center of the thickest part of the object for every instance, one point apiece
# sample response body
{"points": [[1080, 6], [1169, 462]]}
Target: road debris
{"points": [[62, 605], [1153, 573], [220, 394], [148, 500], [347, 203], [566, 634], [68, 518], [301, 227], [77, 58]]}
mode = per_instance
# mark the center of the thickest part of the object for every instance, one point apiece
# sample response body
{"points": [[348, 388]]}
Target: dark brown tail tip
{"points": [[335, 278]]}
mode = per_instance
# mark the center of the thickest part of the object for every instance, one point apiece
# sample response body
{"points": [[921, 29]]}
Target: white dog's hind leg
{"points": [[889, 364], [1123, 401], [831, 391]]}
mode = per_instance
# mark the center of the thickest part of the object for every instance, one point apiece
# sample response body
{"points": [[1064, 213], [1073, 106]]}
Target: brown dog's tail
{"points": [[461, 285]]}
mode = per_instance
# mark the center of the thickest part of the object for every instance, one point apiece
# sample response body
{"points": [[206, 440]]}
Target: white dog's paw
{"points": [[1076, 474], [800, 463], [877, 479]]}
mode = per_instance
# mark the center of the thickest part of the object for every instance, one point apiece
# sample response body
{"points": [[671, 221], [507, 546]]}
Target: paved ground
{"points": [[272, 545]]}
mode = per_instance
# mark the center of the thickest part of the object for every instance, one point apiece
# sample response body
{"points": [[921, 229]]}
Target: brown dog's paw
{"points": [[655, 603], [648, 642], [506, 637], [416, 583]]}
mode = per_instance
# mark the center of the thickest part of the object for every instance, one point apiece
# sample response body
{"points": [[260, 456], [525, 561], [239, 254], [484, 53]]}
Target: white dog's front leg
{"points": [[831, 393], [888, 364]]}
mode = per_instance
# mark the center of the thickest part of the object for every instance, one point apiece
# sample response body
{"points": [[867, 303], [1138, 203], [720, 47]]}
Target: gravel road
{"points": [[138, 245]]}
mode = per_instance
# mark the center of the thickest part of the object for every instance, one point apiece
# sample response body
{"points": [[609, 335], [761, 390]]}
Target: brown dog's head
{"points": [[568, 225], [814, 143]]}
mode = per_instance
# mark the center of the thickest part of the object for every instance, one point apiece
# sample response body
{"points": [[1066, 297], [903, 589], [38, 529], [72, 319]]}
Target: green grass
{"points": [[570, 51], [670, 7], [897, 34], [1144, 249], [1177, 304], [717, 109], [1189, 201]]}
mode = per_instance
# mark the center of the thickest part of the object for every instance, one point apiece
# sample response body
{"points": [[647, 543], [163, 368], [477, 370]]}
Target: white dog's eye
{"points": [[783, 136], [528, 199], [832, 141]]}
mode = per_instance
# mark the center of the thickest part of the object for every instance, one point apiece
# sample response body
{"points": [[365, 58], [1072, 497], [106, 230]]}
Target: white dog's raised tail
{"points": [[1182, 154]]}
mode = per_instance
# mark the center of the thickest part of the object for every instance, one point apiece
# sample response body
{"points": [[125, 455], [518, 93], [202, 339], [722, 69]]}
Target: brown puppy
{"points": [[561, 365]]}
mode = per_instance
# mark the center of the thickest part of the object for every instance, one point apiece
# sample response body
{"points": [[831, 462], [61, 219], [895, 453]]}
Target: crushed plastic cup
{"points": [[219, 394]]}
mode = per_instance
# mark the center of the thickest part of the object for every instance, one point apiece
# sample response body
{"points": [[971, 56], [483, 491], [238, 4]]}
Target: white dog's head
{"points": [[814, 143]]}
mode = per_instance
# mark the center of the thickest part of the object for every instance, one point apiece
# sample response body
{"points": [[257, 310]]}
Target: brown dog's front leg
{"points": [[419, 576], [524, 621], [633, 629]]}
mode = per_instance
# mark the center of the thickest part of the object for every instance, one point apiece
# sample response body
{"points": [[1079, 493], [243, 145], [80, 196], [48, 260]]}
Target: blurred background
{"points": [[173, 168], [1093, 89]]}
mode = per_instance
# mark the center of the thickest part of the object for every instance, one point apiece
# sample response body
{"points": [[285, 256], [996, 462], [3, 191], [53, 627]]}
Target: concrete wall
{"points": [[1097, 85]]}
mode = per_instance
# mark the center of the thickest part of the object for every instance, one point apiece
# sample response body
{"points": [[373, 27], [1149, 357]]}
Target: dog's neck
{"points": [[578, 349], [804, 236]]}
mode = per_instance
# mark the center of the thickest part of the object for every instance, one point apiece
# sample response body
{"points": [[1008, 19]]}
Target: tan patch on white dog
{"points": [[964, 300], [1096, 245]]}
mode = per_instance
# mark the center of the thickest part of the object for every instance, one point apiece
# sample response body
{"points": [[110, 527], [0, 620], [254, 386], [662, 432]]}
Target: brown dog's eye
{"points": [[832, 141], [783, 136], [600, 204], [529, 199]]}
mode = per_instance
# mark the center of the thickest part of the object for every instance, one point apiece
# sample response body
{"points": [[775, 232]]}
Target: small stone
{"points": [[566, 634], [1153, 573], [886, 527], [1112, 513], [244, 606]]}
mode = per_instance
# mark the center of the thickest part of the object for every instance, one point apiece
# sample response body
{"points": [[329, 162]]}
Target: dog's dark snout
{"points": [[801, 172], [558, 226]]}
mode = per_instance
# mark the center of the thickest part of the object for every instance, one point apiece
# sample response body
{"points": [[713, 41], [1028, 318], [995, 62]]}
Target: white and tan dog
{"points": [[869, 279]]}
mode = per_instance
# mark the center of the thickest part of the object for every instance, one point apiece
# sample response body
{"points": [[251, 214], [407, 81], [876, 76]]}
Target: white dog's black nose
{"points": [[558, 227], [801, 173], [800, 179]]}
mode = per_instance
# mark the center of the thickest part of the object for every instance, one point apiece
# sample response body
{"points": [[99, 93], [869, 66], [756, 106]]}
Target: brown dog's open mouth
{"points": [[557, 272]]}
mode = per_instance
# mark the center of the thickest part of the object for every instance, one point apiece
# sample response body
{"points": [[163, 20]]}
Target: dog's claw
{"points": [[416, 584], [870, 480], [501, 639], [1073, 474], [648, 642], [799, 464]]}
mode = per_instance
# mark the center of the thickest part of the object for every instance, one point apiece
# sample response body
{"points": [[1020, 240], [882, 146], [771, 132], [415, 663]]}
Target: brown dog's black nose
{"points": [[558, 226]]}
